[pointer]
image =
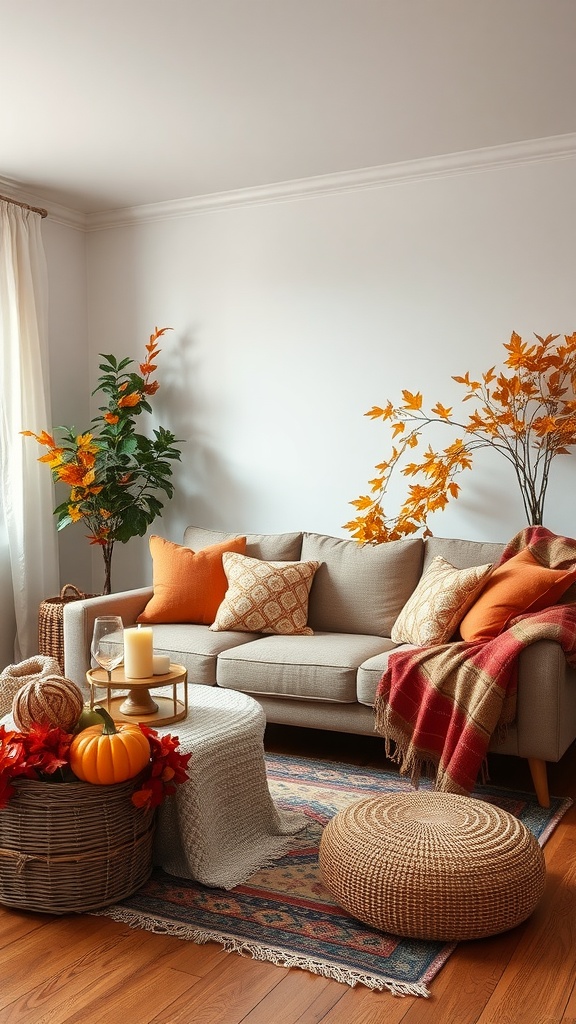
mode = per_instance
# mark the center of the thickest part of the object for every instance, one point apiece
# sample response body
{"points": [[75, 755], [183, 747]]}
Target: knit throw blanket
{"points": [[438, 707]]}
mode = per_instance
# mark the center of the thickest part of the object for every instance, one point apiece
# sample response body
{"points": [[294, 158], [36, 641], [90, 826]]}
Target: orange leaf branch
{"points": [[527, 415]]}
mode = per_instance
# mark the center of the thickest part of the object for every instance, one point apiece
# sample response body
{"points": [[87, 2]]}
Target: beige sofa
{"points": [[329, 680]]}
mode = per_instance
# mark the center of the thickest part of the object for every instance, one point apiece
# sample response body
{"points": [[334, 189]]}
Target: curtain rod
{"points": [[25, 206]]}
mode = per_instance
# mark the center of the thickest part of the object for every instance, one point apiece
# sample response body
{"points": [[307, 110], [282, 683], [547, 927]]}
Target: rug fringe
{"points": [[564, 805], [269, 954]]}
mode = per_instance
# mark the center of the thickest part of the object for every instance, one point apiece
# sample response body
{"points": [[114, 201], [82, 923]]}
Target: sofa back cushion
{"points": [[462, 554], [273, 547], [360, 588]]}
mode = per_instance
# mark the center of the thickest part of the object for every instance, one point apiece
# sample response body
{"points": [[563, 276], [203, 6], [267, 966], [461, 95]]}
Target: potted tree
{"points": [[113, 472]]}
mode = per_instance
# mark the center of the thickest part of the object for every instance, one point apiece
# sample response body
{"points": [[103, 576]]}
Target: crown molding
{"points": [[59, 214], [385, 175], [63, 215], [490, 158]]}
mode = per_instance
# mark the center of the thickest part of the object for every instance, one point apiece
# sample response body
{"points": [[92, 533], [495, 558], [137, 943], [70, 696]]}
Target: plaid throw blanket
{"points": [[437, 707]]}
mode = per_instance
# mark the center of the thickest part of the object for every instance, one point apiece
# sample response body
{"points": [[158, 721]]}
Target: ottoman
{"points": [[432, 865]]}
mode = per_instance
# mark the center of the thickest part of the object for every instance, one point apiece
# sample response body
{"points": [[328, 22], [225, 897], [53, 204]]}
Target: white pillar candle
{"points": [[138, 648]]}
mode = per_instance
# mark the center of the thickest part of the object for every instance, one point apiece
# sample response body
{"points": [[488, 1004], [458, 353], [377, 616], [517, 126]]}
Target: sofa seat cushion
{"points": [[320, 667], [196, 647], [360, 588], [274, 547], [371, 671]]}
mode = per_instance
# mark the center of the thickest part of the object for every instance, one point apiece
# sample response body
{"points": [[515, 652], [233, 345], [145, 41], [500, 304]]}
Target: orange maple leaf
{"points": [[376, 413], [412, 401], [364, 501], [519, 351], [544, 425], [473, 384], [442, 411]]}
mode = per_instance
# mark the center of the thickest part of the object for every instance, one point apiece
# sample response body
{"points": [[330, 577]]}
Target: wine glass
{"points": [[104, 626]]}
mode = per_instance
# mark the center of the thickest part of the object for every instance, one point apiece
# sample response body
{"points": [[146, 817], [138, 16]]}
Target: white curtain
{"points": [[26, 489]]}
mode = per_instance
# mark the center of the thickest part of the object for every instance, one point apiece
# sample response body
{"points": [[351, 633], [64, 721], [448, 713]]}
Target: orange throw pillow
{"points": [[519, 585], [189, 586]]}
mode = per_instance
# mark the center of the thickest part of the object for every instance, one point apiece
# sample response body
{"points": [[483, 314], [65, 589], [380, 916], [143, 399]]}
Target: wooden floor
{"points": [[59, 970]]}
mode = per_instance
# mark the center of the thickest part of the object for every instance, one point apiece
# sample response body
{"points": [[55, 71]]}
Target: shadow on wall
{"points": [[205, 492], [75, 558], [205, 495]]}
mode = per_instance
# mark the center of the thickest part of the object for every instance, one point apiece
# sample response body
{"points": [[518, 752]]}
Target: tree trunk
{"points": [[107, 550]]}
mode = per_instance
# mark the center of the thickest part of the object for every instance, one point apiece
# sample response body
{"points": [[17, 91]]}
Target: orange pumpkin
{"points": [[110, 752]]}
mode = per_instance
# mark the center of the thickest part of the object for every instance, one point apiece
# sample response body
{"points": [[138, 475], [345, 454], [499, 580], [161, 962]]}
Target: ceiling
{"points": [[108, 104]]}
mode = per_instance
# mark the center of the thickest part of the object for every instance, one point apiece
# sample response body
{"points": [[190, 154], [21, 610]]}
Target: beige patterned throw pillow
{"points": [[439, 603], [265, 597]]}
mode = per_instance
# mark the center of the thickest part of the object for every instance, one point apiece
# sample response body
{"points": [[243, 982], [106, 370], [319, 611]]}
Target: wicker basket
{"points": [[71, 846], [51, 622]]}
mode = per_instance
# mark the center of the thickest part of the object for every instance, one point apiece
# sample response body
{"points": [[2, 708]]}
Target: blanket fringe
{"points": [[269, 954], [400, 751]]}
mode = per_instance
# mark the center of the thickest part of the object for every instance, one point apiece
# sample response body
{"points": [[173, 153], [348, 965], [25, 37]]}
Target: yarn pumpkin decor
{"points": [[52, 699]]}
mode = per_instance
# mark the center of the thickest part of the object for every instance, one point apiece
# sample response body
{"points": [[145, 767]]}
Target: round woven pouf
{"points": [[432, 865]]}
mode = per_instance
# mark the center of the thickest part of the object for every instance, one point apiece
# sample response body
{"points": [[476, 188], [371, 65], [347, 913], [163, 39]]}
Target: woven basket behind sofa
{"points": [[51, 622]]}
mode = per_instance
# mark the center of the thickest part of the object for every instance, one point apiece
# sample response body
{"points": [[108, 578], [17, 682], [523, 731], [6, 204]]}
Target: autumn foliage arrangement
{"points": [[46, 752], [525, 412], [167, 770], [40, 753], [114, 473]]}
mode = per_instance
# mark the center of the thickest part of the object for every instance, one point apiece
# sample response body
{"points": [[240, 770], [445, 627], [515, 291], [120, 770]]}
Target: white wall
{"points": [[292, 318]]}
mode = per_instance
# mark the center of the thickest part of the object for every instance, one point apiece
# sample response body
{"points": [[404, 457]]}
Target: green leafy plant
{"points": [[114, 473]]}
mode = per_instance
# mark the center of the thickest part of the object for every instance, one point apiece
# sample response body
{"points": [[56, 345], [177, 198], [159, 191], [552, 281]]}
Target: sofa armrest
{"points": [[546, 714], [545, 724], [79, 624]]}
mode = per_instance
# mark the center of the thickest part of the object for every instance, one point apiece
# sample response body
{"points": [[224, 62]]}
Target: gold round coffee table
{"points": [[138, 704]]}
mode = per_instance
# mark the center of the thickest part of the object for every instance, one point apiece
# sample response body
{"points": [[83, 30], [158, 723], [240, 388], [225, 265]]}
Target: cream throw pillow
{"points": [[265, 597], [439, 603]]}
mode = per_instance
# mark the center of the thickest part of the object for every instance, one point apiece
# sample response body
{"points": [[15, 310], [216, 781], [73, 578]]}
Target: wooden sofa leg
{"points": [[540, 780]]}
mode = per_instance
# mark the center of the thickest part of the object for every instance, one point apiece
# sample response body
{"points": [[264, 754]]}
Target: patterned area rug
{"points": [[284, 915]]}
